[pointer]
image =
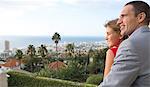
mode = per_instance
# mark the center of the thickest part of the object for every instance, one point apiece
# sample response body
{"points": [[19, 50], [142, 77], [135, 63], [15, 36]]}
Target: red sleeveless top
{"points": [[114, 50]]}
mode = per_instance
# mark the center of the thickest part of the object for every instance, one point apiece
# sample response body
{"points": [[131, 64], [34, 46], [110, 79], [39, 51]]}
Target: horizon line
{"points": [[49, 36]]}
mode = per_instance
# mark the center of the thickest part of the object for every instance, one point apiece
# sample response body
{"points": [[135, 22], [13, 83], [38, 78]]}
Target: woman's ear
{"points": [[124, 37]]}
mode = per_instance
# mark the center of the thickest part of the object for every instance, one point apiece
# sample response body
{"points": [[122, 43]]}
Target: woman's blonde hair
{"points": [[113, 24]]}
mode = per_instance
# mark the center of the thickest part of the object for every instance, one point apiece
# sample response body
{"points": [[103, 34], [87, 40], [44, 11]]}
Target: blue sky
{"points": [[67, 17]]}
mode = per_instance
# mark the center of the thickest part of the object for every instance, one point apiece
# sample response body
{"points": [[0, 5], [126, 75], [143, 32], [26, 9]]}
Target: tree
{"points": [[19, 55], [91, 52], [97, 65], [31, 60], [70, 49], [56, 38], [31, 50], [42, 51]]}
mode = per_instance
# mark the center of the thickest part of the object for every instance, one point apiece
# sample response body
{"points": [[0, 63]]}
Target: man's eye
{"points": [[121, 16], [108, 33]]}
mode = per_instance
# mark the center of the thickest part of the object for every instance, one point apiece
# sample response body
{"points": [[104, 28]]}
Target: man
{"points": [[131, 66]]}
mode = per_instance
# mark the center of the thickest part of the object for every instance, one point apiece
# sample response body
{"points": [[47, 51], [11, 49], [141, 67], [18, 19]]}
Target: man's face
{"points": [[128, 21]]}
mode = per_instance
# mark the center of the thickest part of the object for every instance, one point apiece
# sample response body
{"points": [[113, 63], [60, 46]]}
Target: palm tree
{"points": [[19, 55], [70, 49], [31, 50], [31, 59], [56, 38], [42, 51]]}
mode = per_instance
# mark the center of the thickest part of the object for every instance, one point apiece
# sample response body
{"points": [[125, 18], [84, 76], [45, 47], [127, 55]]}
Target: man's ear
{"points": [[121, 37], [141, 17]]}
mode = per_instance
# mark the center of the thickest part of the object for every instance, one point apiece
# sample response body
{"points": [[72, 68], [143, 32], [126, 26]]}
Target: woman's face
{"points": [[112, 37]]}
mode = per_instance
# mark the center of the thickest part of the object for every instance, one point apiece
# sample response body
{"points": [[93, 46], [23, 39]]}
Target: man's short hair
{"points": [[141, 6]]}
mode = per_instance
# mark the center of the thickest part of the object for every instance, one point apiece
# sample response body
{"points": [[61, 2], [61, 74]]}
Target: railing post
{"points": [[3, 80]]}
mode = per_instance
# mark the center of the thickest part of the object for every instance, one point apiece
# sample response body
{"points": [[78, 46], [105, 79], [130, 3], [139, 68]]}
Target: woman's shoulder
{"points": [[110, 52], [114, 50]]}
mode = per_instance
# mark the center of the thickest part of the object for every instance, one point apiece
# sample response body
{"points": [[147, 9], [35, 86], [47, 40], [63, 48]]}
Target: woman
{"points": [[113, 38]]}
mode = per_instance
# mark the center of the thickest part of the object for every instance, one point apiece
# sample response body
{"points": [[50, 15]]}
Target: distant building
{"points": [[4, 55], [7, 46], [7, 52]]}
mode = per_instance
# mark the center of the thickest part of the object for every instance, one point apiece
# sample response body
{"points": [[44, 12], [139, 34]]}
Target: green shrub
{"points": [[46, 72], [18, 79], [94, 79], [74, 72]]}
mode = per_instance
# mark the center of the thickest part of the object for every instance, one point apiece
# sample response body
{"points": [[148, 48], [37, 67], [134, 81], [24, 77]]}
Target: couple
{"points": [[131, 66]]}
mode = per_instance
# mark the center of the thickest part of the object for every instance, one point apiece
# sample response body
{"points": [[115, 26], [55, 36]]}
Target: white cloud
{"points": [[72, 2], [29, 3], [13, 14], [19, 7]]}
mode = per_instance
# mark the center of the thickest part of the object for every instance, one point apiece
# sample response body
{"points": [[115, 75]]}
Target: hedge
{"points": [[95, 79], [18, 79]]}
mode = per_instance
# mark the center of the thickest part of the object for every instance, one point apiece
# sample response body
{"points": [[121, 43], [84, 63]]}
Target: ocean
{"points": [[24, 41]]}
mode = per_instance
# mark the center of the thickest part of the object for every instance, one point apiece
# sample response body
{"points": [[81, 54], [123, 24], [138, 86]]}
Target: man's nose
{"points": [[119, 21], [106, 37]]}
